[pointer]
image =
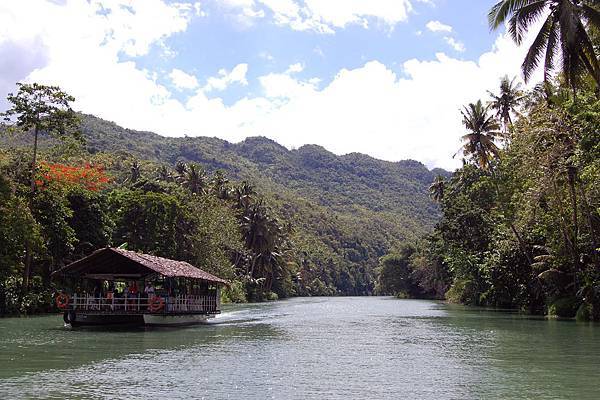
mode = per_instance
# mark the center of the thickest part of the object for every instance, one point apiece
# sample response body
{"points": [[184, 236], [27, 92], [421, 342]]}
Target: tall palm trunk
{"points": [[2, 299], [512, 226], [569, 241], [28, 249], [587, 210], [34, 162], [268, 282], [572, 178], [522, 245]]}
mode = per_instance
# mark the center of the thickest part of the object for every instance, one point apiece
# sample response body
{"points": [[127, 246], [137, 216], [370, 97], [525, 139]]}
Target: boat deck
{"points": [[173, 305]]}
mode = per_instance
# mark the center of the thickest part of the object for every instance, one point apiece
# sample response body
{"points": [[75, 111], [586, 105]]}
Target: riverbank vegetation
{"points": [[274, 222], [520, 224], [73, 203]]}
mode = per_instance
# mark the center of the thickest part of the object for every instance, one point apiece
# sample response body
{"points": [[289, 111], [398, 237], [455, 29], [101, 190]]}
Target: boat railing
{"points": [[142, 304]]}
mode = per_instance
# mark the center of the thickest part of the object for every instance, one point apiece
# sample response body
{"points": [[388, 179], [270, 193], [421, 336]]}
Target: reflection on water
{"points": [[317, 348]]}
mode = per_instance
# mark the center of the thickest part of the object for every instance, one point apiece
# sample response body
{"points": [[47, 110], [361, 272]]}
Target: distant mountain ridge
{"points": [[336, 182], [347, 211]]}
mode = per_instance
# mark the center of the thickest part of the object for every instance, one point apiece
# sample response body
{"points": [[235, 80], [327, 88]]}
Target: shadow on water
{"points": [[508, 314], [29, 345]]}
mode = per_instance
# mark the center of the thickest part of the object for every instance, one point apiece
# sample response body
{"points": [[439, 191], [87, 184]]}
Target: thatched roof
{"points": [[112, 262]]}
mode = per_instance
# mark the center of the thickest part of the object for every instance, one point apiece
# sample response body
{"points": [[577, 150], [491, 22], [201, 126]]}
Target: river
{"points": [[308, 348]]}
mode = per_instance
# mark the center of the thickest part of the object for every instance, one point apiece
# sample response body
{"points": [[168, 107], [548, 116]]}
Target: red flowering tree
{"points": [[39, 109], [88, 176]]}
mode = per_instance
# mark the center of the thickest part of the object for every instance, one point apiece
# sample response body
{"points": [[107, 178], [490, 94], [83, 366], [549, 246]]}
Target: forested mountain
{"points": [[340, 213], [349, 183], [345, 209]]}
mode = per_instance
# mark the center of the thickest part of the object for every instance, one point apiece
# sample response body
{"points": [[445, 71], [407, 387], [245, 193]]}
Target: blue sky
{"points": [[383, 77], [218, 40]]}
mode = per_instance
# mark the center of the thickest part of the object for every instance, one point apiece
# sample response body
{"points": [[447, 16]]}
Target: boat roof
{"points": [[111, 263]]}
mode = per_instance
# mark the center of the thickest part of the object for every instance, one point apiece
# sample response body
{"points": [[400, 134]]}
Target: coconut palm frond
{"points": [[565, 31]]}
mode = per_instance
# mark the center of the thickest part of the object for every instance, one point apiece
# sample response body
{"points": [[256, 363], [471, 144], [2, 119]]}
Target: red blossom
{"points": [[90, 177]]}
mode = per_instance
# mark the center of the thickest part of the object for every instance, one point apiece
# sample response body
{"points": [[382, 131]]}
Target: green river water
{"points": [[308, 348]]}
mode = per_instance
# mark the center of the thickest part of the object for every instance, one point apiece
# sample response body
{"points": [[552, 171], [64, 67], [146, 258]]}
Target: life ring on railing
{"points": [[62, 301], [156, 303]]}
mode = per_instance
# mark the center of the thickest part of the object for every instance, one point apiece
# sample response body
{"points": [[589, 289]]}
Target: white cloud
{"points": [[370, 109], [199, 10], [340, 13], [437, 26], [455, 44], [324, 16], [79, 44], [295, 68], [226, 78], [283, 86], [182, 80], [265, 55], [244, 12], [319, 51]]}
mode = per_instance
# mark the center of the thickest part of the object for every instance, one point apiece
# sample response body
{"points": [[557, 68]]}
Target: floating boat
{"points": [[113, 286]]}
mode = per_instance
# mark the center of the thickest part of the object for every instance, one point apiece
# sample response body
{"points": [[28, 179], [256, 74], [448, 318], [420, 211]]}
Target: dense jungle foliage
{"points": [[519, 225], [521, 219], [275, 222]]}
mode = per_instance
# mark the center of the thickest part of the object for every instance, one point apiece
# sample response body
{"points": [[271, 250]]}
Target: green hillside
{"points": [[379, 202], [344, 211], [350, 183]]}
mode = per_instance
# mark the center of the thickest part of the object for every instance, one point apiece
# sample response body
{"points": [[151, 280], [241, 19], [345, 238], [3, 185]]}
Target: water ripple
{"points": [[334, 348]]}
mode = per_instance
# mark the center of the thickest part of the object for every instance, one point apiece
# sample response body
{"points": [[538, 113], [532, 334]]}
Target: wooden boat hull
{"points": [[85, 319], [100, 319], [175, 319]]}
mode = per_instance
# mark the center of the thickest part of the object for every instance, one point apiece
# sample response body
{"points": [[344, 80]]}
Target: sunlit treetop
{"points": [[44, 108]]}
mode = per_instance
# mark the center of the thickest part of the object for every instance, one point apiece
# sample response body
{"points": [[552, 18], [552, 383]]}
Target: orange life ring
{"points": [[62, 301], [156, 303]]}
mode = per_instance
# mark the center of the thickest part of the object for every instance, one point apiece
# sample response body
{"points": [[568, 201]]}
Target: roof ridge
{"points": [[166, 259], [143, 256], [157, 263]]}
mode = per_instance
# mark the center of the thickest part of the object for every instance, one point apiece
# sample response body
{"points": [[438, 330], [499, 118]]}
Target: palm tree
{"points": [[180, 168], [220, 185], [243, 195], [564, 31], [164, 174], [264, 237], [436, 189], [507, 101], [481, 147], [135, 171], [194, 179], [480, 143]]}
